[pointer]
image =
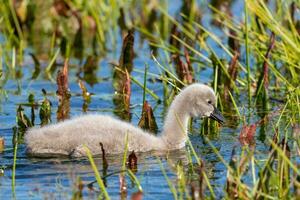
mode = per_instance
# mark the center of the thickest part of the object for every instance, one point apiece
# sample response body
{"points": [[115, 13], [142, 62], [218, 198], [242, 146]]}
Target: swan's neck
{"points": [[176, 124]]}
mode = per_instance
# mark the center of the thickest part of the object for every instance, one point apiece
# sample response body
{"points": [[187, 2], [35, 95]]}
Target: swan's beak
{"points": [[217, 115]]}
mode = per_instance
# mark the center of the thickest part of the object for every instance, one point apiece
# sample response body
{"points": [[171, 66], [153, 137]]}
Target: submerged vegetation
{"points": [[146, 51]]}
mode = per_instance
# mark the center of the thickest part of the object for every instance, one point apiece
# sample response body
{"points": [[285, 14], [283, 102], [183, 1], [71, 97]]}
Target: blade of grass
{"points": [[247, 52], [97, 174], [170, 184], [137, 182], [145, 84]]}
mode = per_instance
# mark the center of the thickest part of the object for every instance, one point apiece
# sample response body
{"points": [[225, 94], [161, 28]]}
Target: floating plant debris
{"points": [[147, 120], [62, 81], [22, 120], [183, 70], [132, 162], [121, 78], [137, 196], [122, 100], [127, 91], [1, 144], [63, 92], [127, 54], [125, 63], [90, 68], [247, 134], [45, 112], [32, 105], [85, 94]]}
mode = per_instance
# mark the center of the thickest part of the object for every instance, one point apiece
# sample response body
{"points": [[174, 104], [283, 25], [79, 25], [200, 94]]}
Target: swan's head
{"points": [[200, 101]]}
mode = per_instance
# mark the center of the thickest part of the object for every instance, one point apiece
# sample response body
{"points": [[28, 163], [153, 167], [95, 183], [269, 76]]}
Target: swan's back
{"points": [[68, 137]]}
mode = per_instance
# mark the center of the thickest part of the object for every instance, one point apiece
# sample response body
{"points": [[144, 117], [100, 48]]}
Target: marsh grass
{"points": [[286, 40], [256, 60]]}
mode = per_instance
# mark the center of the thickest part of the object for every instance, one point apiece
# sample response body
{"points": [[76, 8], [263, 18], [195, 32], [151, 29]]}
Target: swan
{"points": [[71, 136]]}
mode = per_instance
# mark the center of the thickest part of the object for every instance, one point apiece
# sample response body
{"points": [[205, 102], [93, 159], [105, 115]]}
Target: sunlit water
{"points": [[56, 178]]}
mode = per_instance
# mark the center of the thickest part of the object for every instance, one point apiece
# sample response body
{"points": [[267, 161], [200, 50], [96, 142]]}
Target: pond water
{"points": [[56, 178]]}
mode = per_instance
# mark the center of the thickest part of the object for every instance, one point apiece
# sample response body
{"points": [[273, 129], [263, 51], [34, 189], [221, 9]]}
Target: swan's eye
{"points": [[209, 101]]}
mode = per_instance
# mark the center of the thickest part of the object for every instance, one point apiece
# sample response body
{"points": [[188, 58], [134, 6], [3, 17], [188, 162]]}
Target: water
{"points": [[56, 178]]}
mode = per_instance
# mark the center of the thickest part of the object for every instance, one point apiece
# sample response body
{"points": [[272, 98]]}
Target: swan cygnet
{"points": [[70, 136]]}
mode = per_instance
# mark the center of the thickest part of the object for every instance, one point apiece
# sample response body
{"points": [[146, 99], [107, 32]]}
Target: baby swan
{"points": [[69, 137]]}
